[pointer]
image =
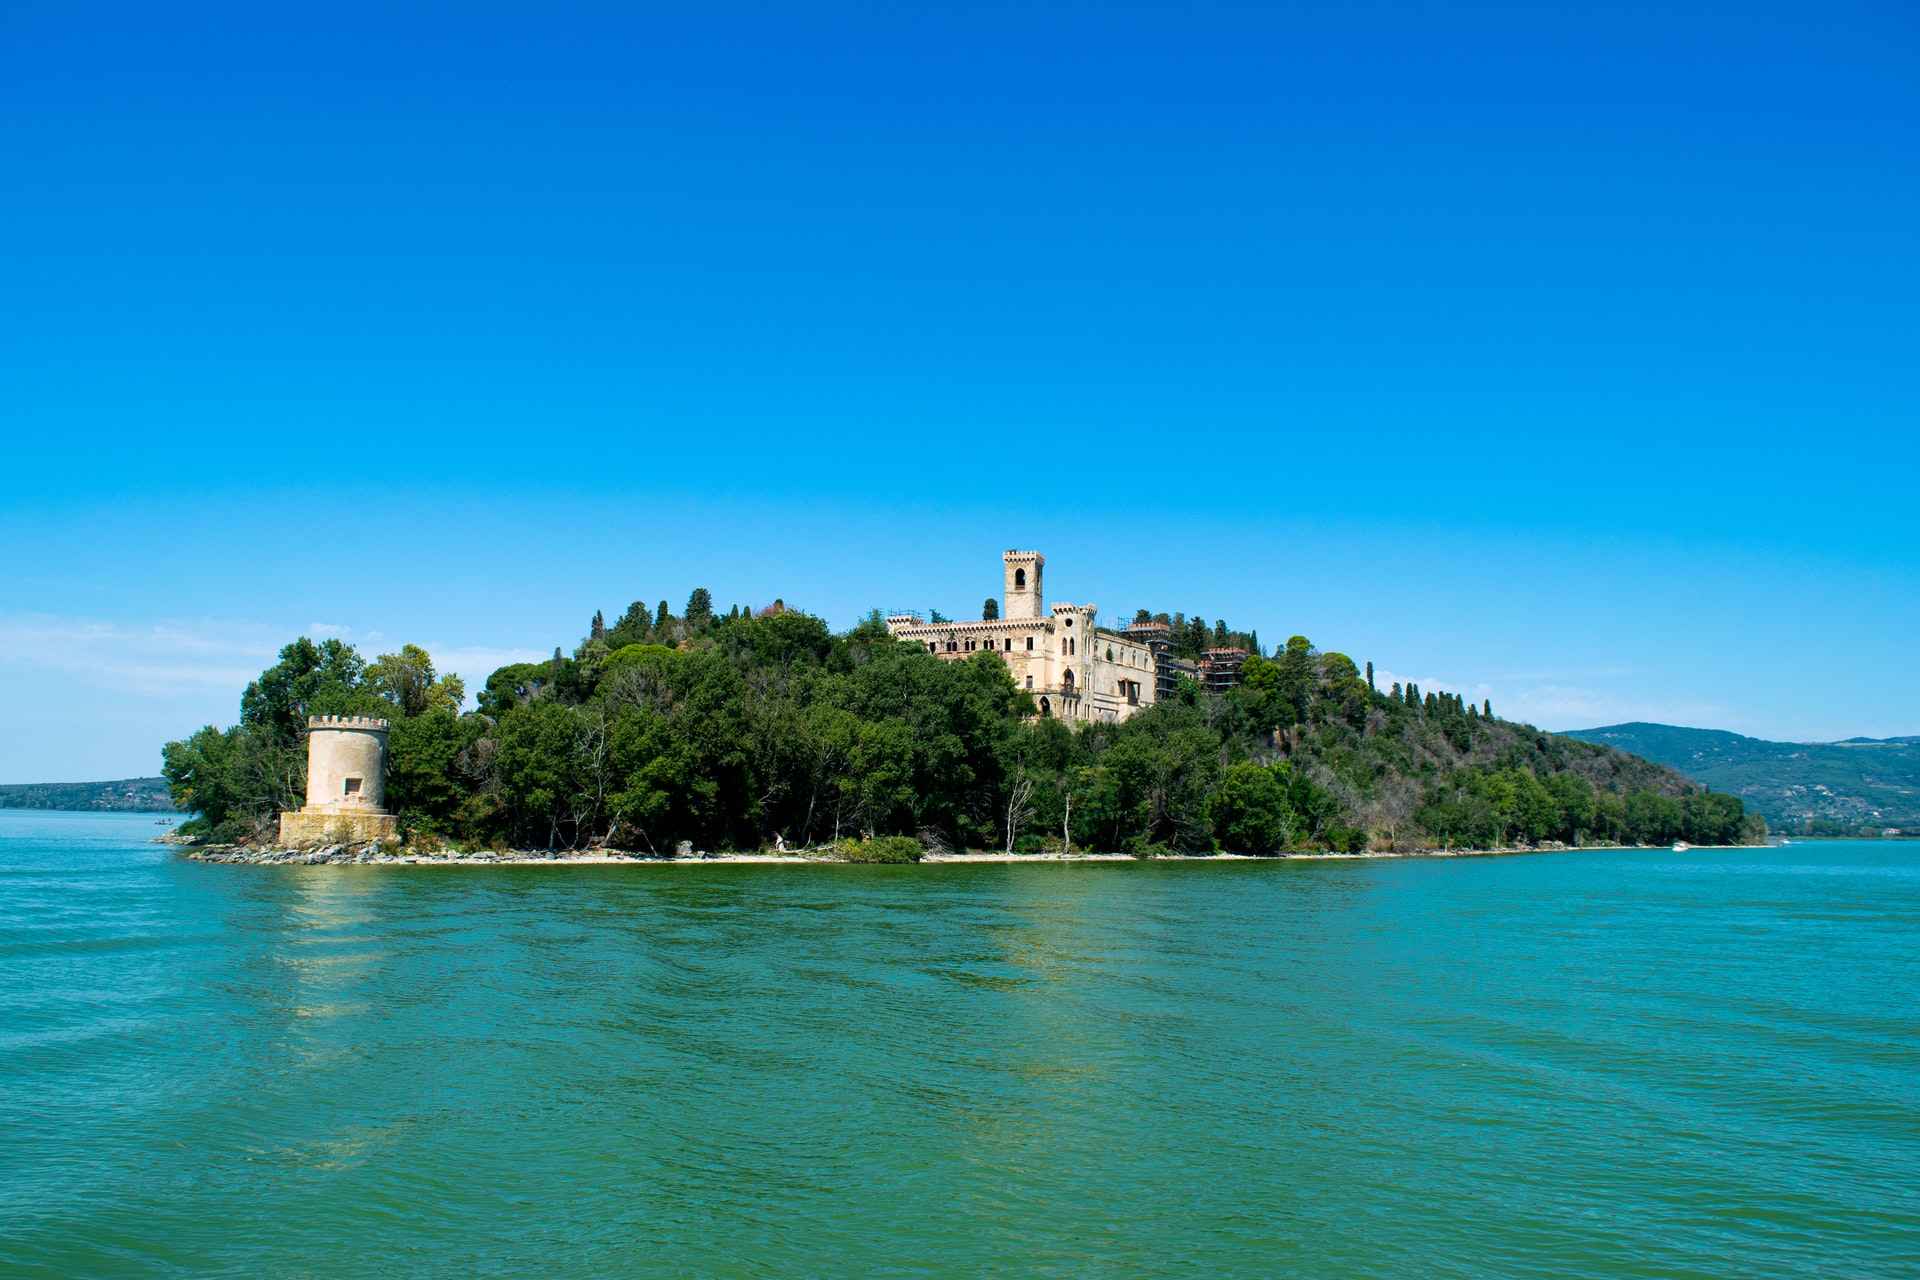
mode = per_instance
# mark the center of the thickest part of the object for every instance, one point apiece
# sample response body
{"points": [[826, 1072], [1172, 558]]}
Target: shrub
{"points": [[1344, 839], [890, 849]]}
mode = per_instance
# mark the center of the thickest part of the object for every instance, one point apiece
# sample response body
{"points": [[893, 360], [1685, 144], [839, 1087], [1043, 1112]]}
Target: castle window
{"points": [[1019, 579], [353, 786], [1029, 682], [1069, 621], [932, 647], [1009, 644], [1109, 653], [1073, 646], [1029, 644]]}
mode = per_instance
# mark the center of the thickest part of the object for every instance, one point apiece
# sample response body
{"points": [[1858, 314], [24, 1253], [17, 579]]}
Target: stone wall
{"points": [[311, 827]]}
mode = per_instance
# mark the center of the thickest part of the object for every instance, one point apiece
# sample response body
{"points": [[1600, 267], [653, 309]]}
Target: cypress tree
{"points": [[990, 609], [1370, 687], [598, 630], [660, 619], [1486, 708]]}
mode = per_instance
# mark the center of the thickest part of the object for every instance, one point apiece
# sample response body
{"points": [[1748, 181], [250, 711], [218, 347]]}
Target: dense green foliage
{"points": [[752, 729], [893, 849], [1809, 788]]}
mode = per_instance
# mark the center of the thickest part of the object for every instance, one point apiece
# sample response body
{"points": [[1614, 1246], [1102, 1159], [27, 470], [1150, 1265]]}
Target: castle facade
{"points": [[1074, 669]]}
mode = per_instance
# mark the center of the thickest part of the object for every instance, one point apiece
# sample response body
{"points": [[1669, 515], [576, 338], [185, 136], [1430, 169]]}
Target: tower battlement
{"points": [[365, 723]]}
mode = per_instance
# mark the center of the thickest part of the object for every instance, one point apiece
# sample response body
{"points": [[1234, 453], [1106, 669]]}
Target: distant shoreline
{"points": [[350, 856]]}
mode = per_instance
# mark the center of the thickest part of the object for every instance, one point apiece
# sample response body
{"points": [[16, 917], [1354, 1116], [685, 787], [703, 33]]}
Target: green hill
{"points": [[1859, 785], [133, 795], [764, 728]]}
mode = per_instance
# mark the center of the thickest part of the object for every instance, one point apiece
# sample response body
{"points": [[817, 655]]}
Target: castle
{"points": [[346, 784], [1074, 669]]}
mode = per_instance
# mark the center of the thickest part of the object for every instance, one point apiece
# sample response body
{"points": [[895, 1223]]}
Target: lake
{"points": [[1591, 1064]]}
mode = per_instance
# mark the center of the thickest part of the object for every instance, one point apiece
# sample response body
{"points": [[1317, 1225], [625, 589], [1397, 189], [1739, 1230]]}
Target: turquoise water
{"points": [[1607, 1064]]}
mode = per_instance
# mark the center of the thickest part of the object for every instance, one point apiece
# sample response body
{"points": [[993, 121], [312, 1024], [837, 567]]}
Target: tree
{"points": [[1296, 678], [1141, 615], [635, 627], [1370, 688], [990, 609], [1250, 810], [406, 680], [597, 629], [1486, 708], [1019, 807], [699, 613], [309, 680]]}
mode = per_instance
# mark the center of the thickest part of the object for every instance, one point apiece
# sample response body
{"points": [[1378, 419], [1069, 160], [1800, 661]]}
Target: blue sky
{"points": [[1567, 359]]}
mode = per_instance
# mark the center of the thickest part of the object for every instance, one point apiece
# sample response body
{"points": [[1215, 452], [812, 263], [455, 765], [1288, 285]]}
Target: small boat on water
{"points": [[1681, 846]]}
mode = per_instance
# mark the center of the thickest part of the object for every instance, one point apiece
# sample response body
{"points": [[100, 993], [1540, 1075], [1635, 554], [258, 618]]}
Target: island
{"points": [[1032, 731]]}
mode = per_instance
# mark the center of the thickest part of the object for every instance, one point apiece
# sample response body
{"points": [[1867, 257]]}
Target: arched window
{"points": [[1066, 681], [1073, 646], [1019, 579]]}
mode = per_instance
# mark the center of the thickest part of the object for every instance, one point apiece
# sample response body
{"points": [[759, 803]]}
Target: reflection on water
{"points": [[1598, 1064]]}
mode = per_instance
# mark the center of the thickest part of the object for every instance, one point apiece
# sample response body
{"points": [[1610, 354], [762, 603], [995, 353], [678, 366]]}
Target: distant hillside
{"points": [[134, 795], [1861, 784]]}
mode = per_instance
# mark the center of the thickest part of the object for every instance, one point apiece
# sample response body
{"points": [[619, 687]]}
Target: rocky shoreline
{"points": [[379, 855]]}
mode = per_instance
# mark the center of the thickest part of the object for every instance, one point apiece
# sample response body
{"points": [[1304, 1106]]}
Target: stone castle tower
{"points": [[1022, 597], [346, 783], [1056, 653]]}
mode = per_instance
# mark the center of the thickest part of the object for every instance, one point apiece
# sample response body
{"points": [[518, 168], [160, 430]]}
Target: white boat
{"points": [[1681, 846]]}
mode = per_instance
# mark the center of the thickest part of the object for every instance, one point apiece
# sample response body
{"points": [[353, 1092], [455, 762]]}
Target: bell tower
{"points": [[1022, 598]]}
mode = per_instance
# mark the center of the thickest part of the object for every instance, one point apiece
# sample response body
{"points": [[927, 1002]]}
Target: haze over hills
{"points": [[134, 795], [1856, 785]]}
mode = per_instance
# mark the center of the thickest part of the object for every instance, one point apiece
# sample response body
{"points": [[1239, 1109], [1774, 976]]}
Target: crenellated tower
{"points": [[346, 783], [1022, 597]]}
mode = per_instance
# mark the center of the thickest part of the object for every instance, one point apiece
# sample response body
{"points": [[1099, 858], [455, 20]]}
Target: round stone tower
{"points": [[347, 763], [346, 783]]}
